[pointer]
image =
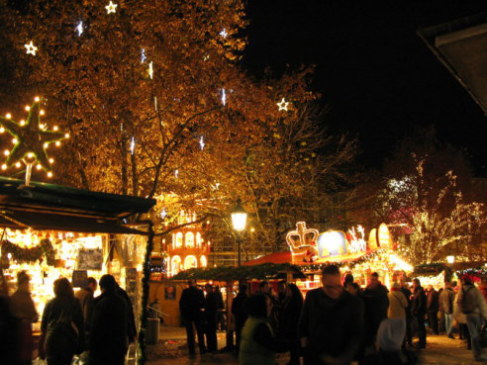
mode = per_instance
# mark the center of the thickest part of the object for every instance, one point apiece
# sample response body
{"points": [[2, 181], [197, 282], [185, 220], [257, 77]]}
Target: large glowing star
{"points": [[332, 243], [30, 140], [283, 105]]}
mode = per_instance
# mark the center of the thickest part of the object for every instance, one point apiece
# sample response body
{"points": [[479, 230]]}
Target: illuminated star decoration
{"points": [[79, 28], [202, 143], [111, 7], [223, 97], [224, 33], [283, 105], [31, 49], [30, 139], [150, 70]]}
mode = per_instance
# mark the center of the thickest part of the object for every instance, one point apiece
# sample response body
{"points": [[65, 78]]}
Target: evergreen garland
{"points": [[32, 254]]}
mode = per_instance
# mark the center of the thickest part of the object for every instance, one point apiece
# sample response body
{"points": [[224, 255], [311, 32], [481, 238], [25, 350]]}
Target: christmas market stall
{"points": [[311, 250], [53, 231]]}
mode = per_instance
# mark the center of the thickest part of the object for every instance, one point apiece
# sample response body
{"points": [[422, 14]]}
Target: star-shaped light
{"points": [[283, 105], [31, 49], [111, 7], [150, 70], [30, 140], [202, 143], [224, 33], [80, 28]]}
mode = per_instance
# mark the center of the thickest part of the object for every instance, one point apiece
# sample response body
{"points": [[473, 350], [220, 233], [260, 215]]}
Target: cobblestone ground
{"points": [[172, 351]]}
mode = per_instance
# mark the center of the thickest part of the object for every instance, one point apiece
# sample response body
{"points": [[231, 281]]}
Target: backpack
{"points": [[467, 301]]}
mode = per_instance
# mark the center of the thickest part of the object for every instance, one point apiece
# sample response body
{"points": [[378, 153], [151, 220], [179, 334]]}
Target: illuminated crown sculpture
{"points": [[302, 243]]}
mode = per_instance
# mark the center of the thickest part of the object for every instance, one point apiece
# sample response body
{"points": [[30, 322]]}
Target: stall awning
{"points": [[44, 221]]}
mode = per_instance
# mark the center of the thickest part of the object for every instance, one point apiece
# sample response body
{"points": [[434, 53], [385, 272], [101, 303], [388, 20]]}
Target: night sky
{"points": [[372, 68]]}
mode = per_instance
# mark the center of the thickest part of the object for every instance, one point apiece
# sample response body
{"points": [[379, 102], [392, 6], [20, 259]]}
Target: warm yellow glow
{"points": [[4, 166], [8, 115], [30, 155], [27, 107], [37, 99], [51, 160], [66, 135], [31, 49], [283, 105], [252, 229], [58, 143], [22, 123], [6, 152], [14, 140], [55, 128], [111, 7], [17, 164], [2, 130], [450, 259], [49, 174], [239, 220], [38, 166], [42, 112], [46, 145]]}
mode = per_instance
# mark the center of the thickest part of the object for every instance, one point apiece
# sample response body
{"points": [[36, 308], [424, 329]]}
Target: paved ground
{"points": [[172, 351]]}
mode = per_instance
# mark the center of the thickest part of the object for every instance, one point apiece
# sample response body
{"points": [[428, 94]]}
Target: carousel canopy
{"points": [[44, 206]]}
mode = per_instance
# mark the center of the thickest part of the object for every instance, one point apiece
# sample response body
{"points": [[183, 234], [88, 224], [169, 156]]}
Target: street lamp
{"points": [[239, 221]]}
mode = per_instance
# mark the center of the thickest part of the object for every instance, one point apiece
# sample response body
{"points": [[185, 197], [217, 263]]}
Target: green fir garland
{"points": [[32, 254]]}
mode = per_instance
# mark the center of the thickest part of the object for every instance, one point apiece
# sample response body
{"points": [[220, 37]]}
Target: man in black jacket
{"points": [[331, 324], [191, 306], [211, 309], [376, 304], [418, 310], [108, 340]]}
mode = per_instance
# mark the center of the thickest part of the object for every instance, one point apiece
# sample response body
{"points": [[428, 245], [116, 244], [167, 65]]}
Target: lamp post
{"points": [[239, 221]]}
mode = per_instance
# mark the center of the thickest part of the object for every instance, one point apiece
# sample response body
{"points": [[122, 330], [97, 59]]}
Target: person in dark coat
{"points": [[432, 307], [109, 326], [191, 306], [8, 349], [211, 312], [376, 305], [62, 326], [131, 329], [289, 313], [220, 317], [239, 313], [331, 324], [418, 311]]}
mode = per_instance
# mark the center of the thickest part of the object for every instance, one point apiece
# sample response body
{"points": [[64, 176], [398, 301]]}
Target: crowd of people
{"points": [[340, 322], [96, 329]]}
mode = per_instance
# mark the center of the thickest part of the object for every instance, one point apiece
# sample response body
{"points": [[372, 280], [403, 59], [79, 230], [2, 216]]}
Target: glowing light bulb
{"points": [[27, 107], [176, 174], [8, 115], [58, 143], [17, 165], [49, 174], [38, 166], [2, 130], [37, 99], [55, 128], [66, 135], [51, 160], [6, 152], [22, 123], [4, 166], [45, 145], [132, 145], [14, 140], [150, 70], [30, 155], [42, 112]]}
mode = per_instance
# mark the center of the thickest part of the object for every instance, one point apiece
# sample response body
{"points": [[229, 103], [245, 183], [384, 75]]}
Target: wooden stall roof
{"points": [[44, 206]]}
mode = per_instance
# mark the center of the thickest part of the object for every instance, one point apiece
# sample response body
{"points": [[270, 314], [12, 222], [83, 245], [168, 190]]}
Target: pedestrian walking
{"points": [[289, 313], [23, 310], [221, 322], [210, 318], [446, 298], [239, 312], [376, 305], [258, 344], [191, 307], [432, 307], [472, 303], [331, 324], [62, 334], [409, 319], [461, 319], [418, 311], [109, 326]]}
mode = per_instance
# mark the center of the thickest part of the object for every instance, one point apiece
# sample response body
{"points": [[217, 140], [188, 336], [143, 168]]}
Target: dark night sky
{"points": [[380, 79]]}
